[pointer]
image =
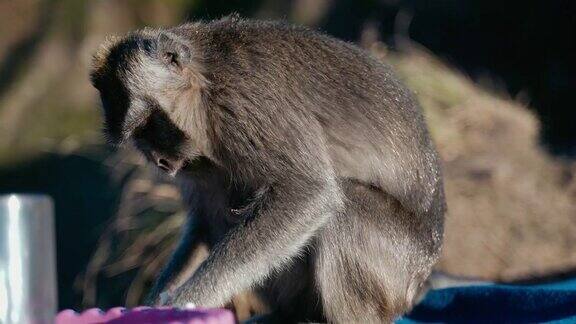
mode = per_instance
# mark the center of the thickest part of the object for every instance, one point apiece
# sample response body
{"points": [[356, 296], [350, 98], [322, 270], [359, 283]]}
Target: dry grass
{"points": [[512, 210], [143, 233]]}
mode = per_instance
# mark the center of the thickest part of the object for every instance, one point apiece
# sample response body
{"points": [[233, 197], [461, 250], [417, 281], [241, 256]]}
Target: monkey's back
{"points": [[370, 121]]}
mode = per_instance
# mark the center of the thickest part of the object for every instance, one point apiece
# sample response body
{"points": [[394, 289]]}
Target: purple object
{"points": [[146, 315]]}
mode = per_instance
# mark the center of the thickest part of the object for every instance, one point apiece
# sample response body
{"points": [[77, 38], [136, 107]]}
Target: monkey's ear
{"points": [[173, 52]]}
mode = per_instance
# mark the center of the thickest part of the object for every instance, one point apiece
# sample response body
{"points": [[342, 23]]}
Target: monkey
{"points": [[306, 165]]}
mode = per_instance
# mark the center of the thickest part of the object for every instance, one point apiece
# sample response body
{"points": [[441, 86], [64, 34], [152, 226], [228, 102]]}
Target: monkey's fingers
{"points": [[176, 299], [163, 298]]}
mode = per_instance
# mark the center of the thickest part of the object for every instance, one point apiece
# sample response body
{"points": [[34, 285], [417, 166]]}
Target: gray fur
{"points": [[308, 168]]}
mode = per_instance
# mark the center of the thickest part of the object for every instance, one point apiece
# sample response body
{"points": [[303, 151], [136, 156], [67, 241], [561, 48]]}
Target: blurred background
{"points": [[496, 79]]}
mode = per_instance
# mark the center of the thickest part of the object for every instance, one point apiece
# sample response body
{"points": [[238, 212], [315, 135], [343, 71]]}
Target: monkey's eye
{"points": [[171, 58]]}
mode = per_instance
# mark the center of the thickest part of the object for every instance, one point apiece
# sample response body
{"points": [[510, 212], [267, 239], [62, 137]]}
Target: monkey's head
{"points": [[148, 82]]}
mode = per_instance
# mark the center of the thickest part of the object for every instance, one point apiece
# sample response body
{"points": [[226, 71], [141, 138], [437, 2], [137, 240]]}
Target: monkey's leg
{"points": [[365, 267], [291, 292], [185, 259], [287, 216]]}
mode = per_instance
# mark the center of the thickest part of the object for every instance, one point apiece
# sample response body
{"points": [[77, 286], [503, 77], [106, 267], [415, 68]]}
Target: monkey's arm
{"points": [[289, 214], [187, 256]]}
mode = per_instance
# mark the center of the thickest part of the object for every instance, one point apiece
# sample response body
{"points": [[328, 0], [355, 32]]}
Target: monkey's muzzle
{"points": [[168, 164]]}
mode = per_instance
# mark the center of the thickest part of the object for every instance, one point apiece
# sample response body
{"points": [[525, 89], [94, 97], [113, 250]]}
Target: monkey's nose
{"points": [[164, 164], [171, 166]]}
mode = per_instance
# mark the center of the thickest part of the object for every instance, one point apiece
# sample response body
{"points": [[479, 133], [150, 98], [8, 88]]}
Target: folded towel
{"points": [[498, 303]]}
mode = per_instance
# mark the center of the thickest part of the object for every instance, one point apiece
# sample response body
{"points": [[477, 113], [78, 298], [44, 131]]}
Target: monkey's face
{"points": [[147, 84]]}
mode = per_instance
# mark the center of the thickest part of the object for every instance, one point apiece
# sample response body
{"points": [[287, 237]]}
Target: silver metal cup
{"points": [[27, 260]]}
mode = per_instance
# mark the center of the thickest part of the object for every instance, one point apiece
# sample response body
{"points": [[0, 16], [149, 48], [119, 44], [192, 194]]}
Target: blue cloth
{"points": [[544, 303]]}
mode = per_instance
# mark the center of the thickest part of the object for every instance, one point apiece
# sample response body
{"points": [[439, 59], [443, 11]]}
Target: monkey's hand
{"points": [[163, 298], [168, 299]]}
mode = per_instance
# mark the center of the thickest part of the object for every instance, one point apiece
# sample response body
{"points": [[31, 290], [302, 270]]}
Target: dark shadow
{"points": [[530, 45], [551, 277], [85, 198], [213, 9]]}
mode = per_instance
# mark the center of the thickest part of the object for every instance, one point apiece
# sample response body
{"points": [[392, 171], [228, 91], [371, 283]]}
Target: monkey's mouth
{"points": [[175, 166], [192, 165]]}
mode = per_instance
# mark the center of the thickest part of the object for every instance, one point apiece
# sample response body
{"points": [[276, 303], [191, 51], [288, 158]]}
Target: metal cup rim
{"points": [[33, 197]]}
